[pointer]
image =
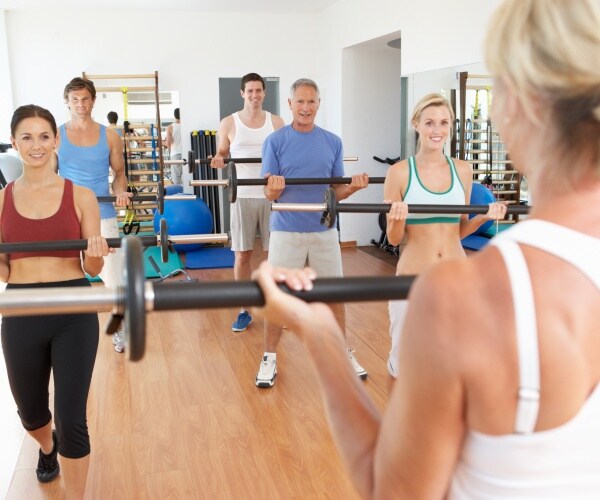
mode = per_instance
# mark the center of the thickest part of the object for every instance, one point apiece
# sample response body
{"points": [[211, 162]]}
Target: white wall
{"points": [[371, 126], [6, 100], [189, 50]]}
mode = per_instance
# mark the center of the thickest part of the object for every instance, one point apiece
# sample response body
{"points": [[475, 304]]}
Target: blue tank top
{"points": [[87, 166], [418, 194]]}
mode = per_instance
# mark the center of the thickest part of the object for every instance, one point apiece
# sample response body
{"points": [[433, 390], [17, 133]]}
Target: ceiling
{"points": [[274, 6]]}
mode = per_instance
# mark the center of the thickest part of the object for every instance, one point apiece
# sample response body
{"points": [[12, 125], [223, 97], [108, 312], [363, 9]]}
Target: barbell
{"points": [[330, 208], [207, 161], [232, 182], [135, 296], [158, 198], [163, 240]]}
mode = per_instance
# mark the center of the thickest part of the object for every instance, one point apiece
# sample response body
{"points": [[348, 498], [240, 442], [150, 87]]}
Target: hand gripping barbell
{"points": [[135, 296], [330, 208], [163, 240], [232, 182]]}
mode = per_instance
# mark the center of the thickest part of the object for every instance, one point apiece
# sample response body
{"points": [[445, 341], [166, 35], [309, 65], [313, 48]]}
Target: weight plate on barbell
{"points": [[232, 182], [164, 241], [134, 296]]}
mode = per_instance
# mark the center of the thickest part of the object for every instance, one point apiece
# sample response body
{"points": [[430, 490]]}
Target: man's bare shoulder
{"points": [[277, 122]]}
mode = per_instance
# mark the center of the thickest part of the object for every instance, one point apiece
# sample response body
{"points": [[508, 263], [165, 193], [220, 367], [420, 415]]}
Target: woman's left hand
{"points": [[98, 247]]}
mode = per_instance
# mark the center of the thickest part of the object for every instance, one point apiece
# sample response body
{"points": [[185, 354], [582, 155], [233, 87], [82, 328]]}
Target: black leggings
{"points": [[65, 343]]}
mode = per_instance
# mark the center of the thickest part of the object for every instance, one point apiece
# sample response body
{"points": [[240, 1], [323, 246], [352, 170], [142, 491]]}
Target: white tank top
{"points": [[247, 143], [563, 462], [176, 146]]}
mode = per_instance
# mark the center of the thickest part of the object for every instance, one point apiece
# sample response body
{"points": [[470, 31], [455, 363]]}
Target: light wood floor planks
{"points": [[188, 421]]}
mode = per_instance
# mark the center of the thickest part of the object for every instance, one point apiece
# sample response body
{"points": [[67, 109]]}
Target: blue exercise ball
{"points": [[480, 195], [185, 217], [173, 189]]}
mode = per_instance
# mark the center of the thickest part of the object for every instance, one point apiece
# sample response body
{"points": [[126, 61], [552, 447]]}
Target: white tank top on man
{"points": [[247, 143], [176, 131]]}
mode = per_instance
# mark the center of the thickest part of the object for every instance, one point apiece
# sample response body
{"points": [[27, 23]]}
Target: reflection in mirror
{"points": [[139, 109]]}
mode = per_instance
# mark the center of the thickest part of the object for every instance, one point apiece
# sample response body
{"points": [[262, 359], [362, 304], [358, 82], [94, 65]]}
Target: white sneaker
{"points": [[267, 372], [360, 371], [118, 340]]}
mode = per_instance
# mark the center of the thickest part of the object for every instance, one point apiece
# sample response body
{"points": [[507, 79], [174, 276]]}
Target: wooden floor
{"points": [[188, 421]]}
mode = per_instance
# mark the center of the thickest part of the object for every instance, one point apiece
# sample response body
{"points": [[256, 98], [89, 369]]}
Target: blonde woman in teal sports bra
{"points": [[429, 178]]}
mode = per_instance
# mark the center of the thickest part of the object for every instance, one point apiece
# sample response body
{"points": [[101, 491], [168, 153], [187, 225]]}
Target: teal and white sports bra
{"points": [[417, 193]]}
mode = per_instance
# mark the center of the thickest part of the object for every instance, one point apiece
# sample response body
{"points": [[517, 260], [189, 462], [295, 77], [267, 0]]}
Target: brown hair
{"points": [[79, 83], [31, 111], [251, 77]]}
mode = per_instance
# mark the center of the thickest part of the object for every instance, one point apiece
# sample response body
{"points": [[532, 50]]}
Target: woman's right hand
{"points": [[217, 161], [398, 210]]}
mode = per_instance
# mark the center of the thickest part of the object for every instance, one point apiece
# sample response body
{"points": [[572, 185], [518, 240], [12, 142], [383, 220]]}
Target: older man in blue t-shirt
{"points": [[303, 149]]}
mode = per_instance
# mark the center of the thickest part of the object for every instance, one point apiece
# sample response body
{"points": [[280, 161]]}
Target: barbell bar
{"points": [[330, 208], [207, 161], [135, 296], [232, 182], [163, 240], [158, 198]]}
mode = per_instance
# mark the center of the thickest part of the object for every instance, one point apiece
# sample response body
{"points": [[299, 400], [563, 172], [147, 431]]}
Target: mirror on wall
{"points": [[141, 107], [475, 138]]}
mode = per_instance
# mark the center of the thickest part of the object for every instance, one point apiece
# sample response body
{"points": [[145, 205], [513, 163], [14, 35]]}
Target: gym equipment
{"points": [[135, 296], [207, 161], [331, 208], [11, 166], [232, 182], [174, 189], [158, 198], [162, 239], [191, 218], [480, 195]]}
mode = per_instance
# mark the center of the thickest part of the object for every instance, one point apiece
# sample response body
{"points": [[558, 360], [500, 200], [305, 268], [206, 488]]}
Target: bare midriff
{"points": [[44, 270], [428, 244]]}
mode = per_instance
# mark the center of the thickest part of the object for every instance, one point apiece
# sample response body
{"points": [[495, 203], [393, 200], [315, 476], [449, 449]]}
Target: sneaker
{"points": [[266, 372], [242, 322], [118, 340], [360, 371], [48, 467]]}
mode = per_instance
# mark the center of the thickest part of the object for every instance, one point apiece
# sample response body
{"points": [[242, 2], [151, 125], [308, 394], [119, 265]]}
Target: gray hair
{"points": [[301, 82]]}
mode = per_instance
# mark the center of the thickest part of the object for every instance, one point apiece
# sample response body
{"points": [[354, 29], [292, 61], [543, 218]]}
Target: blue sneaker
{"points": [[242, 322]]}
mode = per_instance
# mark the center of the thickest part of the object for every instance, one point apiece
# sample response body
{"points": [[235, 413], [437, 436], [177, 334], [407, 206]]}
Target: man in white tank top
{"points": [[241, 135], [173, 142]]}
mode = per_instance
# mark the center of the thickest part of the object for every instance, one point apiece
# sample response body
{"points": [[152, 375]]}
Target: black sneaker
{"points": [[48, 468]]}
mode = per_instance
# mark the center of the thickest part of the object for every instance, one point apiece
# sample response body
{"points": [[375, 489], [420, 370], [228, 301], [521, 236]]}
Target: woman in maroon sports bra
{"points": [[41, 206]]}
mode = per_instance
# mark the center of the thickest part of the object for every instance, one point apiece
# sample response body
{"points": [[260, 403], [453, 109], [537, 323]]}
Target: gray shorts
{"points": [[320, 250], [248, 215], [176, 169]]}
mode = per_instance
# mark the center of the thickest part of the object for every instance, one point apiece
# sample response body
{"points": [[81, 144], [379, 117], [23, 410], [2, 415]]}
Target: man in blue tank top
{"points": [[303, 149], [87, 153]]}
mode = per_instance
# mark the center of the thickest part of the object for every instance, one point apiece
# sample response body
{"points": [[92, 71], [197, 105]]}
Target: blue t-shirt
{"points": [[292, 154], [87, 166]]}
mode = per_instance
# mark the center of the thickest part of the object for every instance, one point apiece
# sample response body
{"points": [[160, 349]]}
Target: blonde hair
{"points": [[549, 52], [433, 99]]}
